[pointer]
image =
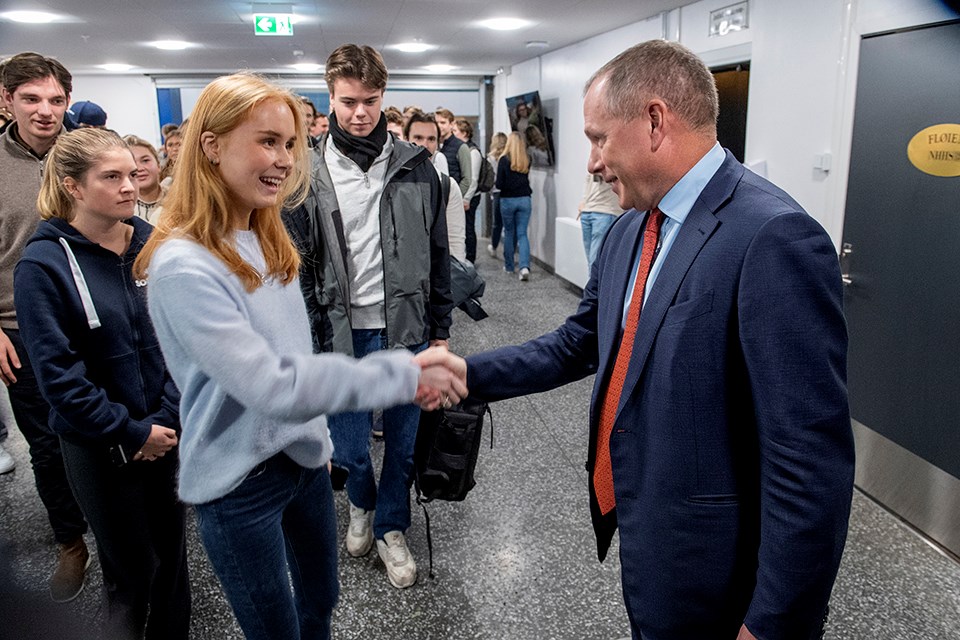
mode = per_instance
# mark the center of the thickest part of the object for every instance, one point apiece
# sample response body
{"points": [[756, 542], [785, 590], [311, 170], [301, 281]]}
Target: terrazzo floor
{"points": [[517, 560]]}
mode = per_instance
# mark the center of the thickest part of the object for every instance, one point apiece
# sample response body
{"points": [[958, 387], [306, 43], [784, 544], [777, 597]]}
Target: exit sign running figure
{"points": [[273, 24]]}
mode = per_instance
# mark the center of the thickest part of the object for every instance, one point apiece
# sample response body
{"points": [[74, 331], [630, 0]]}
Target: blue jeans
{"points": [[280, 519], [516, 218], [351, 450], [594, 226]]}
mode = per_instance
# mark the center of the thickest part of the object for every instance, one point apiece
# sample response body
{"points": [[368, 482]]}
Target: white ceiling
{"points": [[94, 32]]}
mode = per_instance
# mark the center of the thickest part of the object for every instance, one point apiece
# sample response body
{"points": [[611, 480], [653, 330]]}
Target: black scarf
{"points": [[363, 151]]}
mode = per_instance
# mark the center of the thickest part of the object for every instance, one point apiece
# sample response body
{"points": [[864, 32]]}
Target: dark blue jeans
{"points": [[351, 450], [281, 518]]}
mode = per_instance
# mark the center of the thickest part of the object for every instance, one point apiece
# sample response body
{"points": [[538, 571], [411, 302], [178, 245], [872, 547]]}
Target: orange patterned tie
{"points": [[602, 470]]}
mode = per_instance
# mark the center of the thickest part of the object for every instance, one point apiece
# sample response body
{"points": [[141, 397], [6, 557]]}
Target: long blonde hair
{"points": [[497, 143], [72, 156], [198, 204], [516, 150]]}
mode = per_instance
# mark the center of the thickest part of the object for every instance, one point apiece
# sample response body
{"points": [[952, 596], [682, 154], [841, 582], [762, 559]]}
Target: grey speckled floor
{"points": [[517, 559]]}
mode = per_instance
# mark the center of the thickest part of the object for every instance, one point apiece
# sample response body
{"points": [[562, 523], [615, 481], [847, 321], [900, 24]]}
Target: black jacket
{"points": [[84, 321]]}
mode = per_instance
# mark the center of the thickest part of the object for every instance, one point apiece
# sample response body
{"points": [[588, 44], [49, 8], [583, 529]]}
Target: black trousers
{"points": [[32, 414], [139, 525], [471, 219]]}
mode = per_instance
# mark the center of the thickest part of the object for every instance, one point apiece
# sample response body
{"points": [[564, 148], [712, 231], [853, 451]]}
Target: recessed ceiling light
{"points": [[505, 24], [306, 66], [30, 17], [171, 45], [413, 47], [440, 68], [537, 44], [116, 66]]}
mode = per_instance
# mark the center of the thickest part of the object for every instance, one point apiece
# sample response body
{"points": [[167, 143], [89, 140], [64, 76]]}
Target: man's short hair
{"points": [[307, 101], [419, 116], [659, 69], [322, 115], [358, 63], [393, 115], [27, 67], [465, 127], [446, 114]]}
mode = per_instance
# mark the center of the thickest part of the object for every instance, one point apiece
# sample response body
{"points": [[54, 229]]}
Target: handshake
{"points": [[443, 378]]}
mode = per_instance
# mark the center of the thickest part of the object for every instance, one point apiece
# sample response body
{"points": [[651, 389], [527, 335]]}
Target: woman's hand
{"points": [[443, 379], [160, 440]]}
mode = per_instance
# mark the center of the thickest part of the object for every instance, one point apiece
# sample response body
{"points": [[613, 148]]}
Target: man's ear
{"points": [[210, 143], [656, 112], [7, 98]]}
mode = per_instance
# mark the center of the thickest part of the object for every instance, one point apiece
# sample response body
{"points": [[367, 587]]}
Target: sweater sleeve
{"points": [[202, 320], [456, 222], [466, 171], [51, 344], [475, 160]]}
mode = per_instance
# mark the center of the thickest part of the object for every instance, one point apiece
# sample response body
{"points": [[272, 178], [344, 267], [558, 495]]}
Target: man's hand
{"points": [[443, 379], [745, 634], [8, 360], [160, 440]]}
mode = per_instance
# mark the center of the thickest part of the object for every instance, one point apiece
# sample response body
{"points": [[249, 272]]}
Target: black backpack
{"points": [[446, 450], [487, 179], [445, 455]]}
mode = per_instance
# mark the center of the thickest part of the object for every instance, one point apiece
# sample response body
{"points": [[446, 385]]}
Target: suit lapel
{"points": [[694, 233]]}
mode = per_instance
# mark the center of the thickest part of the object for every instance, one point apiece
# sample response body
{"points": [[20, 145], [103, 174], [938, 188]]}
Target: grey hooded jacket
{"points": [[416, 258]]}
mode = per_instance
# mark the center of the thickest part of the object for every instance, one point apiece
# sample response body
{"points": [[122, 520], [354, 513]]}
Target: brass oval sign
{"points": [[936, 150]]}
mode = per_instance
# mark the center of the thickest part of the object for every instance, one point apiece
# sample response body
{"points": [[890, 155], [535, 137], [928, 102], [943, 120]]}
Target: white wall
{"points": [[129, 100], [803, 58]]}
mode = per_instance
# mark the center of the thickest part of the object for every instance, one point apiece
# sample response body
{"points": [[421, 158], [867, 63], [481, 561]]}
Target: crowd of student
{"points": [[227, 352]]}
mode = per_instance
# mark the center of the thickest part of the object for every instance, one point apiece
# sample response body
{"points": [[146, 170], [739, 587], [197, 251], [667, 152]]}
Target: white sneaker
{"points": [[401, 569], [7, 463], [360, 532], [524, 274], [492, 251]]}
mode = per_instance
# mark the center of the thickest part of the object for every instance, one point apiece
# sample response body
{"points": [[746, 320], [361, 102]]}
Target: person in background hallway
{"points": [[422, 129], [85, 114], [497, 143], [321, 124], [171, 149], [513, 182], [394, 121], [471, 196], [85, 325], [383, 265], [36, 89], [228, 311], [452, 148], [597, 211], [720, 436], [150, 191]]}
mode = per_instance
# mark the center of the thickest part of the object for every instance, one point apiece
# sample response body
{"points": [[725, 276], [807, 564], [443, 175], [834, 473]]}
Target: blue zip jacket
{"points": [[84, 321]]}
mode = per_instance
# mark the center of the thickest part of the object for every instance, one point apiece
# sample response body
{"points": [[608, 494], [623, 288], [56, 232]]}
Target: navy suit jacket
{"points": [[732, 449]]}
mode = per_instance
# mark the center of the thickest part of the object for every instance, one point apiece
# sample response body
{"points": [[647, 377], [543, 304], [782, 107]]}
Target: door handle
{"points": [[845, 250]]}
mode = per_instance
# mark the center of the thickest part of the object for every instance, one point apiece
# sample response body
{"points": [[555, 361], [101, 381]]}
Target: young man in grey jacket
{"points": [[375, 275], [36, 89]]}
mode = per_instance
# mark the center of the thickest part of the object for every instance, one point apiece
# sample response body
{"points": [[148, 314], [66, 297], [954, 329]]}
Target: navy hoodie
{"points": [[84, 321]]}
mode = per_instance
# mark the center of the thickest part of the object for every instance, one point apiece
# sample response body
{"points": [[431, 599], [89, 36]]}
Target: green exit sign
{"points": [[273, 24]]}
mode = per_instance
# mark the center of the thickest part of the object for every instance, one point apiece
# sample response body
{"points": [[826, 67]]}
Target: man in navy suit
{"points": [[730, 447]]}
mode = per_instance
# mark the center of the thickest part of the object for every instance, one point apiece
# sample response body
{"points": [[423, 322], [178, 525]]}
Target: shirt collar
{"points": [[680, 199]]}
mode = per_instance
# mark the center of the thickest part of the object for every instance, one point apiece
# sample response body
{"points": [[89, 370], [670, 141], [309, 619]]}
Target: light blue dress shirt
{"points": [[675, 206]]}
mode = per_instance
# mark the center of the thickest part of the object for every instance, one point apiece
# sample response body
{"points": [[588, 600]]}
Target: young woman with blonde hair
{"points": [[513, 181], [149, 202], [224, 295], [84, 321]]}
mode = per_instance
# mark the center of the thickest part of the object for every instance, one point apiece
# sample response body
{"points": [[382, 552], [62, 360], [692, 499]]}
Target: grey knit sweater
{"points": [[20, 176], [250, 385]]}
